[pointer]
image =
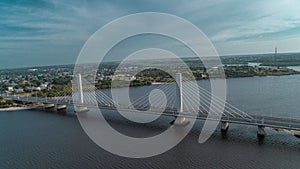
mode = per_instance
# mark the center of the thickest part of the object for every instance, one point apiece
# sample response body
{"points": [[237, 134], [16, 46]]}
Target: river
{"points": [[37, 139]]}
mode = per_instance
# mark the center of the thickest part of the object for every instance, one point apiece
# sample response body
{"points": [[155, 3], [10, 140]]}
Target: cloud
{"points": [[64, 26], [265, 17]]}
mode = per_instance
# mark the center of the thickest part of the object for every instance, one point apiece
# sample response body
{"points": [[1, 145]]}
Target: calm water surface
{"points": [[37, 139]]}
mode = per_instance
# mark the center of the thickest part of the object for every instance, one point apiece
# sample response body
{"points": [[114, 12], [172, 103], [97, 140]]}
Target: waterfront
{"points": [[36, 139]]}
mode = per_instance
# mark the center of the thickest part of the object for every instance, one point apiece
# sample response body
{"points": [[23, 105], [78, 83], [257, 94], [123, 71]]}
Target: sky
{"points": [[48, 32]]}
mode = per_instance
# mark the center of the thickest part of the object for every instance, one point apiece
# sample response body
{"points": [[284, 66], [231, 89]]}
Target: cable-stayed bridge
{"points": [[178, 100]]}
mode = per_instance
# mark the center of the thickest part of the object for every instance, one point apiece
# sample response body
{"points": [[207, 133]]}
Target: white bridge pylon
{"points": [[181, 120]]}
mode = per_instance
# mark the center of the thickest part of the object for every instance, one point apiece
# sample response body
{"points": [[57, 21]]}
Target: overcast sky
{"points": [[45, 32]]}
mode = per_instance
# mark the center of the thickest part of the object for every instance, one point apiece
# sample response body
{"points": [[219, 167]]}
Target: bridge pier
{"points": [[181, 121], [261, 131], [49, 106], [224, 126], [61, 108], [81, 109]]}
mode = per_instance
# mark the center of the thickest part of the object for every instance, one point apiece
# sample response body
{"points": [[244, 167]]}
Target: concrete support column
{"points": [[61, 108], [49, 106], [81, 109], [261, 132], [224, 126]]}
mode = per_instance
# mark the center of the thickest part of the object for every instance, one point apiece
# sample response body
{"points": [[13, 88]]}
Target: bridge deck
{"points": [[257, 120]]}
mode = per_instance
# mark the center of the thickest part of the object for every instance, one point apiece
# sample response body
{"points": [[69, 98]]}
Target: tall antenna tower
{"points": [[275, 56]]}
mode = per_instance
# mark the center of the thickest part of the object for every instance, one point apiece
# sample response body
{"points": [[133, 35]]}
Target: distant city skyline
{"points": [[52, 32]]}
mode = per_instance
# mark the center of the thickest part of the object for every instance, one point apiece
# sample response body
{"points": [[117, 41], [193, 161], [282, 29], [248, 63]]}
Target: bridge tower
{"points": [[81, 107], [180, 120], [80, 90]]}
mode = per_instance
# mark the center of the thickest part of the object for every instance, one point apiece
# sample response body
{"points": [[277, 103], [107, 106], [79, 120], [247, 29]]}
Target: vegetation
{"points": [[248, 71], [55, 91], [279, 60], [5, 103]]}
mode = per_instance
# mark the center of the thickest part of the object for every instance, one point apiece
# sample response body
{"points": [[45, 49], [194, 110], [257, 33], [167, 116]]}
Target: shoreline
{"points": [[16, 108]]}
